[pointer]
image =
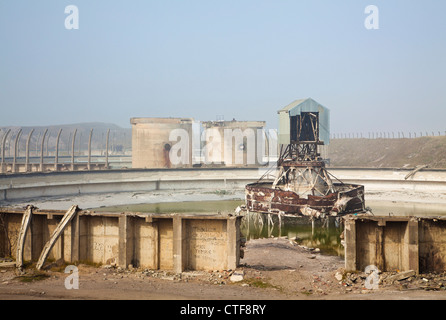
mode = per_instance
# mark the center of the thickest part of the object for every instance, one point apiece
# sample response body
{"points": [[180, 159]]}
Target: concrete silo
{"points": [[233, 143], [154, 138]]}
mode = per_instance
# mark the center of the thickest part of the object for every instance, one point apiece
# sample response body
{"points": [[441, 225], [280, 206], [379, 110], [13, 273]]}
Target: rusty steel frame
{"points": [[303, 187]]}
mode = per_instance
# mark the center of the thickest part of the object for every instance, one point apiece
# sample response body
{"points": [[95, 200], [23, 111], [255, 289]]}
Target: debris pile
{"points": [[218, 277], [404, 280]]}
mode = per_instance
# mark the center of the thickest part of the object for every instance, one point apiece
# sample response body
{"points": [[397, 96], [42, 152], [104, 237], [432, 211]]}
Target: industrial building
{"points": [[151, 142], [234, 143], [184, 142]]}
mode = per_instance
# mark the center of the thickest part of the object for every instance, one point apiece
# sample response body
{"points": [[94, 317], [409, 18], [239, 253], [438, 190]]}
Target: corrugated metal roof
{"points": [[292, 105], [295, 108]]}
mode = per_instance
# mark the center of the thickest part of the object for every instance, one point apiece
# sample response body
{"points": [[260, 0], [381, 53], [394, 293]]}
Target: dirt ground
{"points": [[273, 269]]}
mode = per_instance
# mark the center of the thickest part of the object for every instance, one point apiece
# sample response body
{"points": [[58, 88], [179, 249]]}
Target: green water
{"points": [[225, 206], [324, 235]]}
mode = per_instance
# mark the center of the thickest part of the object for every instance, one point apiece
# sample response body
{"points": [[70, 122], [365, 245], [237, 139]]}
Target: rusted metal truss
{"points": [[303, 187], [261, 197]]}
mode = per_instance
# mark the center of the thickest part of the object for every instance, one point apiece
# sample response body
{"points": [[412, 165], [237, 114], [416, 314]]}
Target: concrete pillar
{"points": [[233, 233], [34, 240], [75, 238], [126, 242], [41, 150], [72, 149], [16, 151], [56, 159], [89, 150], [350, 244], [106, 149], [411, 241], [27, 167], [3, 166], [179, 247], [379, 247]]}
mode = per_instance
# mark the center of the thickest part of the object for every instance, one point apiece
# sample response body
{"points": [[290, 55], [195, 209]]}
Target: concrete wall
{"points": [[168, 242], [26, 186], [395, 243], [46, 167], [432, 245]]}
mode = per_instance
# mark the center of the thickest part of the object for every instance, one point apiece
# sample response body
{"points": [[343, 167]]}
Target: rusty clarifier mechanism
{"points": [[303, 186]]}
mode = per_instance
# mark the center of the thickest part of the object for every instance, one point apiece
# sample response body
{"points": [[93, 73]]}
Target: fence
{"points": [[55, 149], [386, 135]]}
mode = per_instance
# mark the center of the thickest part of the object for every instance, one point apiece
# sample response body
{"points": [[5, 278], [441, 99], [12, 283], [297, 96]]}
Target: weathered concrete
{"points": [[47, 167], [395, 243], [168, 242], [234, 143], [151, 141], [26, 186]]}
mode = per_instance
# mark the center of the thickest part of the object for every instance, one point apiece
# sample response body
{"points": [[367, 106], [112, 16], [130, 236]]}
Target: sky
{"points": [[242, 59]]}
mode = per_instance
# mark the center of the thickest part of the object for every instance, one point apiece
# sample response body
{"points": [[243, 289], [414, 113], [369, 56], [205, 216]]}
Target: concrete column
{"points": [[233, 234], [412, 242], [34, 240], [16, 151], [72, 150], [179, 248], [41, 150], [56, 159], [350, 244], [126, 242], [3, 166], [379, 247], [89, 150], [75, 238], [106, 149], [27, 168]]}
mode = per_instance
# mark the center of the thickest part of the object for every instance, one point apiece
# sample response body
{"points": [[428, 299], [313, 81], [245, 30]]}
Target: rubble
{"points": [[405, 280], [237, 276]]}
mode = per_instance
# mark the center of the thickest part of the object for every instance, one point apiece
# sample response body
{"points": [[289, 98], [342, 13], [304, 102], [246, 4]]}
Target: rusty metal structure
{"points": [[303, 186]]}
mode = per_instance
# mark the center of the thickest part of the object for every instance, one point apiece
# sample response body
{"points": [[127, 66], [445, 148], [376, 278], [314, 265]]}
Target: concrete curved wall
{"points": [[33, 185]]}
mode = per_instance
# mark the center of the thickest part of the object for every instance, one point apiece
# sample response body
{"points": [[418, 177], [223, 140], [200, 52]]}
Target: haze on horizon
{"points": [[240, 59]]}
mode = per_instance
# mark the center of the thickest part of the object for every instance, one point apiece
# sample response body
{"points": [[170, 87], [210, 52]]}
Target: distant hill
{"points": [[120, 138], [381, 153]]}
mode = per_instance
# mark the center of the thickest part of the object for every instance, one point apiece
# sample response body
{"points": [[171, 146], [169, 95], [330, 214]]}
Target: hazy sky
{"points": [[242, 59]]}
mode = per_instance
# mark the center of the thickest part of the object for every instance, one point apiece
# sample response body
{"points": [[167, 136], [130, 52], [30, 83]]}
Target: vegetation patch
{"points": [[259, 283], [37, 276]]}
